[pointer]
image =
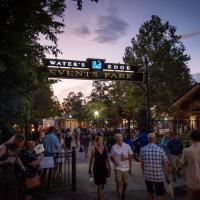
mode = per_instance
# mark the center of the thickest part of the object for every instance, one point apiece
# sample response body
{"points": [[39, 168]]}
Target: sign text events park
{"points": [[92, 69]]}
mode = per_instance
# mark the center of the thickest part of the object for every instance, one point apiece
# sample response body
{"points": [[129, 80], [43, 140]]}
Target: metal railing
{"points": [[61, 170], [176, 126], [62, 173]]}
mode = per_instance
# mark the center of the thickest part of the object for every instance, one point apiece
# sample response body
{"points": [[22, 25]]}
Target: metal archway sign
{"points": [[92, 69], [97, 69]]}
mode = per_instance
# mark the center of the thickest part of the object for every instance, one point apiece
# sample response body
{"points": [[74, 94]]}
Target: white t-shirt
{"points": [[116, 153]]}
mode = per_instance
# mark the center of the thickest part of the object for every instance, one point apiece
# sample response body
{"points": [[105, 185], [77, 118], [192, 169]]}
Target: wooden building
{"points": [[68, 123], [186, 109]]}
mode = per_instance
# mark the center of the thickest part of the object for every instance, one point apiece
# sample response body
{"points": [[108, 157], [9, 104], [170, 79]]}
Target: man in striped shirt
{"points": [[154, 163]]}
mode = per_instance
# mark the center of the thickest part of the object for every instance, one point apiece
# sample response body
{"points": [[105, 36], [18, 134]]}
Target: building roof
{"points": [[186, 96]]}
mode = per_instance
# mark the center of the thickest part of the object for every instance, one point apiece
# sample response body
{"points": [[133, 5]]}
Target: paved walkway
{"points": [[86, 191]]}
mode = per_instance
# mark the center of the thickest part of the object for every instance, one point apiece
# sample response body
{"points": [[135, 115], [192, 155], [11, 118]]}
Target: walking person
{"points": [[76, 138], [41, 134], [85, 142], [9, 160], [51, 145], [100, 162], [175, 149], [68, 139], [121, 156], [164, 143], [143, 138], [31, 163], [93, 136], [154, 164], [191, 161], [136, 145], [128, 140]]}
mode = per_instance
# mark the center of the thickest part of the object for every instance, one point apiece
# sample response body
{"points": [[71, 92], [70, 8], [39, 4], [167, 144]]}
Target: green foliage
{"points": [[74, 104], [114, 101], [90, 110], [125, 99], [98, 101], [45, 104], [25, 92], [169, 75], [21, 26], [99, 92]]}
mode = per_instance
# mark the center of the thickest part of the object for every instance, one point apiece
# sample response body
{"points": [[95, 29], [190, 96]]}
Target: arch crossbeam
{"points": [[92, 69]]}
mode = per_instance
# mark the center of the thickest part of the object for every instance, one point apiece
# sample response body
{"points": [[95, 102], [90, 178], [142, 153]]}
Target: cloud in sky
{"points": [[81, 31], [190, 35], [110, 28]]}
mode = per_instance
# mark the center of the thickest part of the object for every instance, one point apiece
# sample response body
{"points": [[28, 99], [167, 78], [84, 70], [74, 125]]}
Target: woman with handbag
{"points": [[31, 162], [101, 166], [9, 161]]}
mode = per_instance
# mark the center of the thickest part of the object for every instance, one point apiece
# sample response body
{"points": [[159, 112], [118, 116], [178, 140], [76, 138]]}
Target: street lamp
{"points": [[96, 113], [70, 117]]}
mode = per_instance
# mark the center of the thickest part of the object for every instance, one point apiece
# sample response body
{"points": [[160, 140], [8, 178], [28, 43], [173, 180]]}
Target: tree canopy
{"points": [[22, 84], [73, 105], [25, 91], [22, 24], [169, 75]]}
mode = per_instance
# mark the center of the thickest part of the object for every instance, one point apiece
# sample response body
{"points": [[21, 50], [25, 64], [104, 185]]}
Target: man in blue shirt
{"points": [[129, 141], [51, 145], [175, 148], [51, 142], [143, 139]]}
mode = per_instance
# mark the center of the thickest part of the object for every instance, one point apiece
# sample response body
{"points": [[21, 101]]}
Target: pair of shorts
{"points": [[175, 161], [121, 176], [158, 186]]}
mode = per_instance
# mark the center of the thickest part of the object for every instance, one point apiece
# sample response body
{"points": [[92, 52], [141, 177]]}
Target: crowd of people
{"points": [[160, 161], [21, 161]]}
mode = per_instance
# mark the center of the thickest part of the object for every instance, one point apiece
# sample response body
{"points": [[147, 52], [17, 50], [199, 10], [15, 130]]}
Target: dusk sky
{"points": [[105, 29]]}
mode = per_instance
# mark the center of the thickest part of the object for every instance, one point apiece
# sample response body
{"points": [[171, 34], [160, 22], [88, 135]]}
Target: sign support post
{"points": [[148, 114]]}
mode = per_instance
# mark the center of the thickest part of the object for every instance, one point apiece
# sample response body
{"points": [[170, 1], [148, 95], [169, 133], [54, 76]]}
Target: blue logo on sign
{"points": [[96, 64]]}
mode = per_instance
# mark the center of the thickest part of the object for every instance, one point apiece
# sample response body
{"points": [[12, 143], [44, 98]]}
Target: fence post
{"points": [[73, 169]]}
